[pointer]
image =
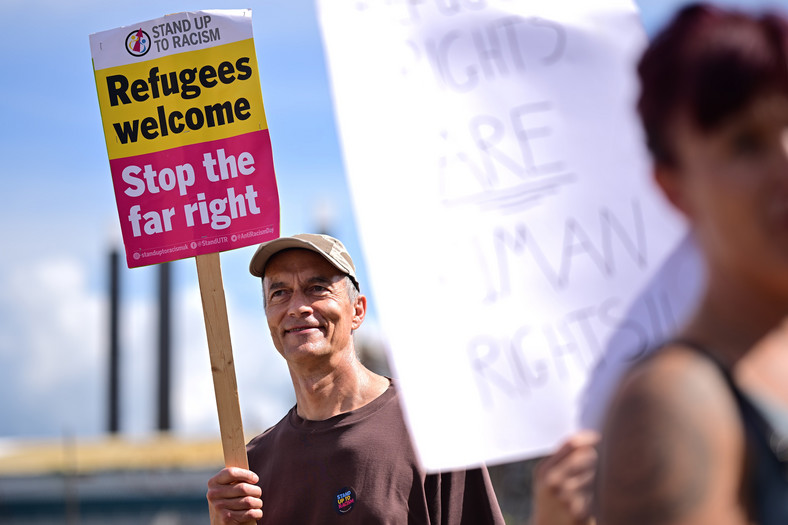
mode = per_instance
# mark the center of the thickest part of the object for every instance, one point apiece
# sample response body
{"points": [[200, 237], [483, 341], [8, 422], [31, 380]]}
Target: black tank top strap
{"points": [[703, 350], [770, 452], [750, 413]]}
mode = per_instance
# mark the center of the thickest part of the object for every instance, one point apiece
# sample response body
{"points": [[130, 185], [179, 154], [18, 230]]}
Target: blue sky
{"points": [[58, 220]]}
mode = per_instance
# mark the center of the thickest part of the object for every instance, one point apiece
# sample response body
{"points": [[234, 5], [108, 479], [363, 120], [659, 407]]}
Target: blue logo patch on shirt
{"points": [[345, 500]]}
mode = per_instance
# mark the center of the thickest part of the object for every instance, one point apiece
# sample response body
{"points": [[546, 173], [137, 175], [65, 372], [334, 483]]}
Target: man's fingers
{"points": [[244, 503], [234, 497], [235, 491], [230, 475], [226, 516]]}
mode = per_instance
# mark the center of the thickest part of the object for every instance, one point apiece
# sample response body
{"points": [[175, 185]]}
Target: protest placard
{"points": [[495, 144], [187, 138], [190, 158]]}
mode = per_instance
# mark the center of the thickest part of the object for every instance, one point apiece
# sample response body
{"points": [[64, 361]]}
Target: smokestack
{"points": [[114, 349], [164, 347]]}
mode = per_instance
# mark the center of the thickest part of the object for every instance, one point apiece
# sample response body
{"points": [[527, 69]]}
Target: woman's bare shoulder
{"points": [[672, 446]]}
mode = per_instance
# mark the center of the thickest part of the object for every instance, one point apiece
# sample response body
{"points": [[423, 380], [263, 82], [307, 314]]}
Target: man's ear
{"points": [[359, 312], [672, 183]]}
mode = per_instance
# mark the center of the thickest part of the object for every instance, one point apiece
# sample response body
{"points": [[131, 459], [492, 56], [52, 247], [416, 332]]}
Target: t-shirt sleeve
{"points": [[464, 497]]}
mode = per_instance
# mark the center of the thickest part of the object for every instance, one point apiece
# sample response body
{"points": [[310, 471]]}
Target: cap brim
{"points": [[271, 248]]}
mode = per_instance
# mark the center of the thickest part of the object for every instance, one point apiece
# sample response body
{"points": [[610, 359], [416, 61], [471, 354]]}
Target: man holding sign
{"points": [[191, 160], [344, 448]]}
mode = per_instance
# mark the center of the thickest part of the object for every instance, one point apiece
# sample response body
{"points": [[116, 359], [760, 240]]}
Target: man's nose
{"points": [[299, 304]]}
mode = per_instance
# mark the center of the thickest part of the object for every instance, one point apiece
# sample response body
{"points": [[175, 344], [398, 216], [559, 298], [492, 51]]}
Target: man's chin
{"points": [[305, 351]]}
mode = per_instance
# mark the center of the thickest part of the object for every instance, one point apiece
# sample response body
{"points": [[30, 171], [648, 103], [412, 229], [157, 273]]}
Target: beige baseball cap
{"points": [[330, 248]]}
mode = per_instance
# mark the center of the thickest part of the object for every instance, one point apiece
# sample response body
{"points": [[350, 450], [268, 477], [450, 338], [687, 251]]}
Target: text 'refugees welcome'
{"points": [[189, 83]]}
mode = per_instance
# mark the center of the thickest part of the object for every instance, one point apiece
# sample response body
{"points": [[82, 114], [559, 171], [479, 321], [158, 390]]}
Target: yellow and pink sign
{"points": [[186, 133]]}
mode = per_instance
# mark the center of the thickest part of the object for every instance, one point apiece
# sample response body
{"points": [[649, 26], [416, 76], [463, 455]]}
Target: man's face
{"points": [[309, 312]]}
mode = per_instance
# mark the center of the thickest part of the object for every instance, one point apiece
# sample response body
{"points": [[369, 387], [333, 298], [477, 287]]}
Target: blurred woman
{"points": [[698, 432]]}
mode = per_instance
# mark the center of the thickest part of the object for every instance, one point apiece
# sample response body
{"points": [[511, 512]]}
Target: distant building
{"points": [[161, 481]]}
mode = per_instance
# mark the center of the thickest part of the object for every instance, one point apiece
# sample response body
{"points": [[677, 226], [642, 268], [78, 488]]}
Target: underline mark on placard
{"points": [[517, 198]]}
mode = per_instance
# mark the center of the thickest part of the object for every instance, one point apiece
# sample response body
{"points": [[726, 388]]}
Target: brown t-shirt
{"points": [[360, 468]]}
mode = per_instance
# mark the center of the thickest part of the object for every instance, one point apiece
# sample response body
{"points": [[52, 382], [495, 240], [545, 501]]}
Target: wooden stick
{"points": [[217, 328]]}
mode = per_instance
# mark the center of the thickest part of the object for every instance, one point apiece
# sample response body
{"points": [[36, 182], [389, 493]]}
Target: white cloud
{"points": [[49, 352], [53, 339], [264, 388]]}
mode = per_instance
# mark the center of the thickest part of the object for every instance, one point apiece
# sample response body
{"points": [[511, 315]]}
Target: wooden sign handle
{"points": [[217, 328]]}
